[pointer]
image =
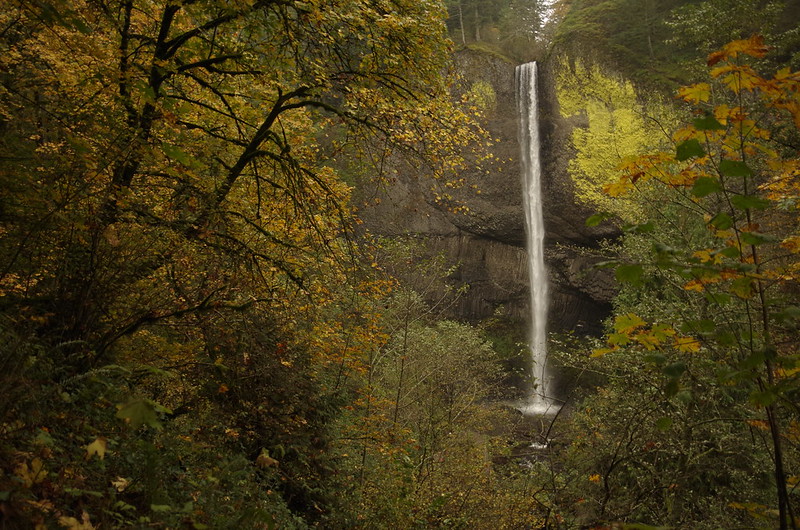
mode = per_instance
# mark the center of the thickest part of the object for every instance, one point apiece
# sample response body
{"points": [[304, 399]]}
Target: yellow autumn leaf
{"points": [[724, 69], [72, 523], [743, 78], [702, 255], [696, 93], [33, 474], [792, 244], [783, 373], [687, 344], [618, 188], [121, 483], [97, 447], [708, 256], [602, 351], [723, 112]]}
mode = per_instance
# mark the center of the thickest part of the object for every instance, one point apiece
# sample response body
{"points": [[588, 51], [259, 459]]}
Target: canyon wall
{"points": [[488, 242]]}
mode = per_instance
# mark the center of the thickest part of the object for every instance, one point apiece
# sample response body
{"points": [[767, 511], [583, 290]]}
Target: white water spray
{"points": [[538, 401]]}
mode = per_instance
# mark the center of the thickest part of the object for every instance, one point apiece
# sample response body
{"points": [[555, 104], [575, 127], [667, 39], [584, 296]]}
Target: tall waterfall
{"points": [[538, 401]]}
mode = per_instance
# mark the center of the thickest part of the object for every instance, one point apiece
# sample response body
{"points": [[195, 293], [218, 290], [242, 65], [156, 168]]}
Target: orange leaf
{"points": [[694, 285], [715, 57], [618, 188], [753, 46]]}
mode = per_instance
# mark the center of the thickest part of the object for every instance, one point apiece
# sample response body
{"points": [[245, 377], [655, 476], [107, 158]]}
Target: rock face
{"points": [[488, 243]]}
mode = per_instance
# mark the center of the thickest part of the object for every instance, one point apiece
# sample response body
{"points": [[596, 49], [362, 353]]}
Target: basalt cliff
{"points": [[487, 243]]}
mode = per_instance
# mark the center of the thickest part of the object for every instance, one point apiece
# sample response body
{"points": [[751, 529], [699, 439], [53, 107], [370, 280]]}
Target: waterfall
{"points": [[538, 401]]}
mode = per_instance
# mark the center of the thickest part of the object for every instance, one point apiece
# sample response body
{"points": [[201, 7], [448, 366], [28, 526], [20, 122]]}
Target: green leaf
{"points": [[788, 314], [140, 412], [754, 238], [629, 274], [663, 424], [719, 299], [747, 202], [705, 273], [76, 492], [698, 326], [627, 323], [721, 221], [684, 396], [707, 123], [662, 249], [754, 360], [788, 363], [662, 331], [725, 338], [596, 219], [176, 153], [618, 339], [706, 186], [730, 252], [656, 358], [742, 287], [674, 370], [688, 149], [672, 388], [763, 398], [160, 507], [642, 228], [734, 168]]}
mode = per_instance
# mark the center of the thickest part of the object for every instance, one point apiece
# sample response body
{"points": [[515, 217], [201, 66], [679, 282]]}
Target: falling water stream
{"points": [[539, 400]]}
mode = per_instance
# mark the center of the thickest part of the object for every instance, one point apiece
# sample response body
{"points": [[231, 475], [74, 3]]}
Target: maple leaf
{"points": [[741, 78], [648, 340], [696, 93], [618, 188], [33, 474], [97, 447], [628, 323], [687, 344], [715, 57], [753, 46]]}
